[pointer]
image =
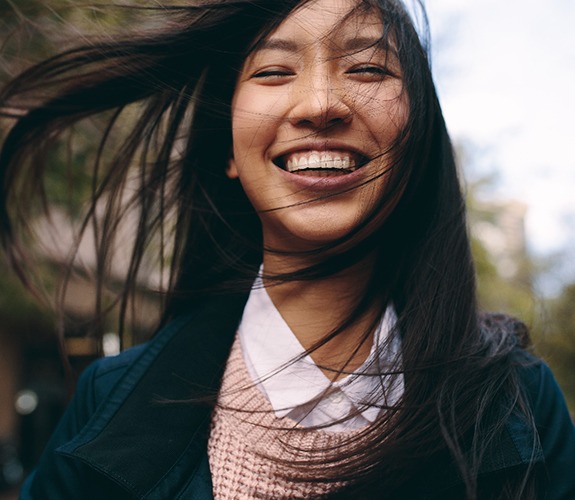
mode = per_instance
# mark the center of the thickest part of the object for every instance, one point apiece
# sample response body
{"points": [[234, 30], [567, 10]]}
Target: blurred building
{"points": [[500, 228], [38, 365]]}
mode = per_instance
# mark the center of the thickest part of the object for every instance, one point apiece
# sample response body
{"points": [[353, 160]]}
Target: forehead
{"points": [[330, 21]]}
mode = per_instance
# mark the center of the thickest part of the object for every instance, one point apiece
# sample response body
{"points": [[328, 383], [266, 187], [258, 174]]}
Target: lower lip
{"points": [[326, 183]]}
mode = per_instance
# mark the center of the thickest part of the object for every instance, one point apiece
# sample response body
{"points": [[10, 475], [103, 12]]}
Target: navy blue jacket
{"points": [[127, 433]]}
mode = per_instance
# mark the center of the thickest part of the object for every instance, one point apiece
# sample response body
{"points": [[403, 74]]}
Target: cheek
{"points": [[399, 112], [385, 111], [390, 121], [255, 119]]}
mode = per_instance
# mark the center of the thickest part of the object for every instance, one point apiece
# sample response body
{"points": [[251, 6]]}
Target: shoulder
{"points": [[547, 402], [534, 376], [98, 380], [545, 431], [115, 408], [554, 426], [551, 420], [56, 476], [103, 374]]}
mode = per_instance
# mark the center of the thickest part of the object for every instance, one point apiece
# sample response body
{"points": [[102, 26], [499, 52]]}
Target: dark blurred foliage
{"points": [[551, 320], [557, 340]]}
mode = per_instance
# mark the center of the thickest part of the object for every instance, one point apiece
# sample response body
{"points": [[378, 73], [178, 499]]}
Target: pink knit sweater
{"points": [[246, 437]]}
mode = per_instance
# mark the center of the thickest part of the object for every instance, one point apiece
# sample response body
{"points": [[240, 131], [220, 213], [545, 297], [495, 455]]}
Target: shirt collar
{"points": [[269, 348]]}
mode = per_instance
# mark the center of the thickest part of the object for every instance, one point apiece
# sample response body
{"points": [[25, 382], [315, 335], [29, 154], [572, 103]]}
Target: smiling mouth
{"points": [[320, 163]]}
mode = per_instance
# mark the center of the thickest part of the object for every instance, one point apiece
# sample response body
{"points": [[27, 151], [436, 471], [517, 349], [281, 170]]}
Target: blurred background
{"points": [[504, 71]]}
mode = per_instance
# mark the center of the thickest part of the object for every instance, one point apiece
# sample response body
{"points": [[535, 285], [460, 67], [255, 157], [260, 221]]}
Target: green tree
{"points": [[551, 321], [557, 341]]}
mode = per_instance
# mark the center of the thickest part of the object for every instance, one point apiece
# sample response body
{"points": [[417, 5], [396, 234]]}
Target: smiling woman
{"points": [[320, 336], [315, 117]]}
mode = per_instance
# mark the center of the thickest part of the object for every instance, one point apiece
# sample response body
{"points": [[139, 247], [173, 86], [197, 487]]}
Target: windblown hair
{"points": [[177, 83]]}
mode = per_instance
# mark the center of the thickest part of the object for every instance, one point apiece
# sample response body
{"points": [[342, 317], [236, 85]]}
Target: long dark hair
{"points": [[178, 81]]}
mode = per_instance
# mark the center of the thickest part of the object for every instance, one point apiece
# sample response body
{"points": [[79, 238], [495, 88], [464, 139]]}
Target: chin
{"points": [[301, 241]]}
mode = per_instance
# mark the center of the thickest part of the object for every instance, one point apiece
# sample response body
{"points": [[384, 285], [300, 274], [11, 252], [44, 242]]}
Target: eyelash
{"points": [[284, 73], [375, 70], [273, 73]]}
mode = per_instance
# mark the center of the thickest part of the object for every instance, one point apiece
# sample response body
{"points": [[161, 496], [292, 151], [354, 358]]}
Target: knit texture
{"points": [[247, 439]]}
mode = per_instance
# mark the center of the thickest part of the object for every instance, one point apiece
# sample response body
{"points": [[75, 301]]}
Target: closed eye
{"points": [[271, 73], [372, 70]]}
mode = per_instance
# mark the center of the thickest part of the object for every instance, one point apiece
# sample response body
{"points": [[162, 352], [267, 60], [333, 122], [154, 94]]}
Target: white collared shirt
{"points": [[298, 389]]}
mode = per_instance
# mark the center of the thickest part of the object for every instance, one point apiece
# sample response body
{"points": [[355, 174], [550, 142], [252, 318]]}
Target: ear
{"points": [[232, 170]]}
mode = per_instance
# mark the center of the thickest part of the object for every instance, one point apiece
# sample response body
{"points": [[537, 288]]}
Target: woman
{"points": [[296, 148]]}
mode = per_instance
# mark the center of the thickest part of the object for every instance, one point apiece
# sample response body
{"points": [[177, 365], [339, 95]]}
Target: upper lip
{"points": [[327, 145]]}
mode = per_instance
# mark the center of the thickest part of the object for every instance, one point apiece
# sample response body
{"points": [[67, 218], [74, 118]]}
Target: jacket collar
{"points": [[150, 435]]}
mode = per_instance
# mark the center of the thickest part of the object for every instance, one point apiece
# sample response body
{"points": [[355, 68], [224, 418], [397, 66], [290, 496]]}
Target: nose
{"points": [[318, 103]]}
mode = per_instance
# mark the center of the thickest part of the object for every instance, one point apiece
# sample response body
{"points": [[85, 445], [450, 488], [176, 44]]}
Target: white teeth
{"points": [[320, 160]]}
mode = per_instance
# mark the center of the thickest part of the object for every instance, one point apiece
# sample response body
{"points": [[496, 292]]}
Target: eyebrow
{"points": [[361, 43], [278, 44], [355, 44]]}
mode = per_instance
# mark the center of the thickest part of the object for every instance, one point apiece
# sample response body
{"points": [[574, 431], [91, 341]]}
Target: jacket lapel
{"points": [[150, 435]]}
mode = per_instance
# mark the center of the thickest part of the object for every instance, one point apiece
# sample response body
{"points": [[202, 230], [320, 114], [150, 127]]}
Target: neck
{"points": [[313, 309]]}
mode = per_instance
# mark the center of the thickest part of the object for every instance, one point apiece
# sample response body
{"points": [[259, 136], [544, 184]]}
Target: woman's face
{"points": [[316, 109]]}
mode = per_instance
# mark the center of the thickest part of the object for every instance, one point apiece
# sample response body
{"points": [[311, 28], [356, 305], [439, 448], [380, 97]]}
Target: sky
{"points": [[505, 72]]}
